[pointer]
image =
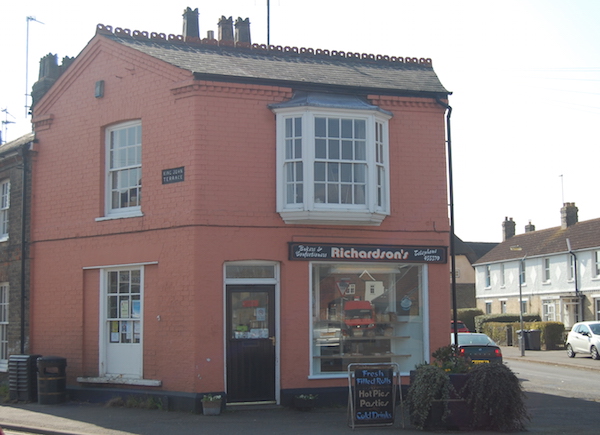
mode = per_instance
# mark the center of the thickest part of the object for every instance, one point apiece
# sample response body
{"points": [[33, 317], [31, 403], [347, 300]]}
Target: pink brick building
{"points": [[203, 211]]}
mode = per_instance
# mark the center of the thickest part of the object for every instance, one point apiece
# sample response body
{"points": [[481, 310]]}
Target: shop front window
{"points": [[366, 313]]}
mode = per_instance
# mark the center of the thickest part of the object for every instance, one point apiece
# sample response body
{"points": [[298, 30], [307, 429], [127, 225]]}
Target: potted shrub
{"points": [[495, 398], [305, 402], [434, 394], [211, 404]]}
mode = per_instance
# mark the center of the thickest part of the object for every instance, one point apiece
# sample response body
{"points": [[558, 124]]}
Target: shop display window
{"points": [[366, 313]]}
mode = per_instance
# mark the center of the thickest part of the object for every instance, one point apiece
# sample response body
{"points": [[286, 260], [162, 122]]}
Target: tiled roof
{"points": [[582, 235], [285, 66], [16, 144]]}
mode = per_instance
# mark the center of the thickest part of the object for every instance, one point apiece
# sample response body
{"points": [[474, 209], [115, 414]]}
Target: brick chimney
{"points": [[568, 215], [191, 28], [508, 228], [50, 71], [226, 29], [242, 31], [529, 228]]}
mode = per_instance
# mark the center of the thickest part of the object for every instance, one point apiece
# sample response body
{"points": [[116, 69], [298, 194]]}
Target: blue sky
{"points": [[525, 78]]}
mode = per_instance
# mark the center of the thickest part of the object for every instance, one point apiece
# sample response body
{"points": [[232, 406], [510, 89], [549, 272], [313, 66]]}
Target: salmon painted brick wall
{"points": [[224, 136]]}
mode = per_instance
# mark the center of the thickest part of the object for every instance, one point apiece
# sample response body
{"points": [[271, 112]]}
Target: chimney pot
{"points": [[191, 28], [225, 28], [242, 30]]}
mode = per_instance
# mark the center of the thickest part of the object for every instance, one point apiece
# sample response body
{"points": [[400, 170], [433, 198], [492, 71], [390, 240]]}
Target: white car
{"points": [[584, 337]]}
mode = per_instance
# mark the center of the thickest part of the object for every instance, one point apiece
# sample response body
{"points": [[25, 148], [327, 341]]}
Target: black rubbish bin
{"points": [[22, 379], [52, 380], [534, 339]]}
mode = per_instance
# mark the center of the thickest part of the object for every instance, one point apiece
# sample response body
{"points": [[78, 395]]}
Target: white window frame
{"points": [[377, 197], [571, 268], [4, 289], [503, 306], [4, 209], [488, 307], [596, 264], [546, 266], [132, 164], [488, 276], [502, 276]]}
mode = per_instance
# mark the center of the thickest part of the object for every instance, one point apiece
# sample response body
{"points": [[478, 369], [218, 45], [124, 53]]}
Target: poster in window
{"points": [[124, 309], [135, 309]]}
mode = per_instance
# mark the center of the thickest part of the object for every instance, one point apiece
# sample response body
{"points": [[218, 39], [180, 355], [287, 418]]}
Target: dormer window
{"points": [[332, 160]]}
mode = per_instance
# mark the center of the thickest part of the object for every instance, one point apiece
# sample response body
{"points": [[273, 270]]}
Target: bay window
{"points": [[332, 160]]}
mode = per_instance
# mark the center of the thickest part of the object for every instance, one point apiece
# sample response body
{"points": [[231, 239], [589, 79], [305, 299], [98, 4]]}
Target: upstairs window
{"points": [[332, 160], [124, 169], [4, 208]]}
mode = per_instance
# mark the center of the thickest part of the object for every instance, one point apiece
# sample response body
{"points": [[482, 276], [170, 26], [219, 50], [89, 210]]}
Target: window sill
{"points": [[120, 216], [337, 217], [119, 381]]}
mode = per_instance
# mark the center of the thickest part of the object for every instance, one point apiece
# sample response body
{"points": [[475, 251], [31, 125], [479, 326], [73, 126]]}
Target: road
{"points": [[557, 380]]}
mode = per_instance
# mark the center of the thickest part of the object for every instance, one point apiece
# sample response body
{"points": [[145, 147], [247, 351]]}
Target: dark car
{"points": [[459, 325], [480, 348]]}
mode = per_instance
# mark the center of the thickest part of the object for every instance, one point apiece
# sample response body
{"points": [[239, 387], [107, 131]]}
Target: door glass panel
{"points": [[249, 315]]}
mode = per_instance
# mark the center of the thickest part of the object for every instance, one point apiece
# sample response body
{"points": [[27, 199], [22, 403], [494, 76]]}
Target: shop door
{"points": [[250, 343]]}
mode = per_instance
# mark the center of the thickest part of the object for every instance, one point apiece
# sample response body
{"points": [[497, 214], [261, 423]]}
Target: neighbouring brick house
{"points": [[15, 196], [279, 185]]}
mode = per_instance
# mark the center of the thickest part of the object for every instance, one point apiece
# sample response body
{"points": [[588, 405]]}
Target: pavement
{"points": [[550, 415]]}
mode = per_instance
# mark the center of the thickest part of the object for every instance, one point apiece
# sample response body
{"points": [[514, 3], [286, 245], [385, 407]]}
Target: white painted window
{"points": [[546, 270], [503, 307], [522, 273], [3, 327], [597, 264], [332, 163], [124, 169], [502, 275], [488, 308], [4, 208], [548, 311], [488, 276]]}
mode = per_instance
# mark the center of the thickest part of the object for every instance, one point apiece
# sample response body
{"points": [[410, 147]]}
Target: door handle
{"points": [[273, 341]]}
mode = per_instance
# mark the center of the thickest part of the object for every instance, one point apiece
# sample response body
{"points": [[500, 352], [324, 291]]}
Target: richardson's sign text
{"points": [[405, 254]]}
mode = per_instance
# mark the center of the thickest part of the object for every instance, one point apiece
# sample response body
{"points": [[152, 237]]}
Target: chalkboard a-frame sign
{"points": [[372, 394]]}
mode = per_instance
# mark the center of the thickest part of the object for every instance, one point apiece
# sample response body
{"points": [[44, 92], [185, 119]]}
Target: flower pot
{"points": [[212, 407]]}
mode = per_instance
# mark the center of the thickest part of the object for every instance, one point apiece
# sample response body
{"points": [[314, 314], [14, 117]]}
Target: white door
{"points": [[122, 323]]}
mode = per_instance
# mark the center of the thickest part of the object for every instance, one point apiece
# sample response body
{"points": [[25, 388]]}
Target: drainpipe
{"points": [[23, 242], [577, 294], [451, 205]]}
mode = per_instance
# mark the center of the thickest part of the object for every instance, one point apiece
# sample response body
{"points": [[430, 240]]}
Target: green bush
{"points": [[551, 333], [505, 318]]}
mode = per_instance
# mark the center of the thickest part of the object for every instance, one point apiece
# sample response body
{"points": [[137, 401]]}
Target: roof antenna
{"points": [[5, 124], [268, 23], [28, 19]]}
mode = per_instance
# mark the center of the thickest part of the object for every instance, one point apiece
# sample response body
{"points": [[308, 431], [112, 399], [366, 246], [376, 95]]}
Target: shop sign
{"points": [[373, 394], [379, 253]]}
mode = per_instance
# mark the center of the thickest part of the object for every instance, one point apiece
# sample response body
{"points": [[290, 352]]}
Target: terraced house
{"points": [[554, 272], [190, 194]]}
